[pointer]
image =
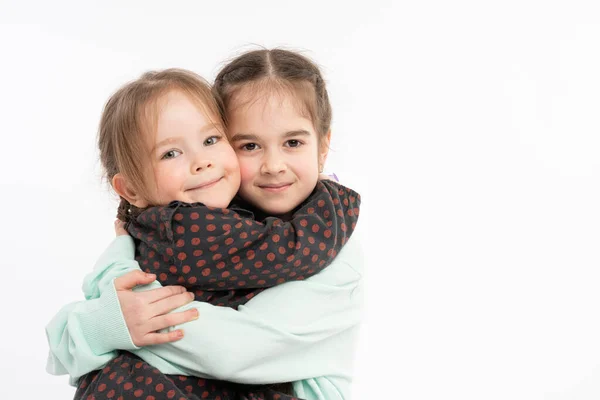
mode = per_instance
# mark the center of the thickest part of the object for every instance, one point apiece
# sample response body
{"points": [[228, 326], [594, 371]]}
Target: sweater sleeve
{"points": [[83, 336], [218, 250], [289, 332]]}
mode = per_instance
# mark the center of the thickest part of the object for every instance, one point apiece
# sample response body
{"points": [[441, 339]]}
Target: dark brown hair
{"points": [[132, 113], [277, 70]]}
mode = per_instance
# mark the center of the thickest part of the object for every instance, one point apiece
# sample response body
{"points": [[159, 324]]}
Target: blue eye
{"points": [[212, 140], [171, 154]]}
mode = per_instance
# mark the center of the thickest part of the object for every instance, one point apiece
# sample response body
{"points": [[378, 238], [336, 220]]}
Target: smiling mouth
{"points": [[275, 188], [206, 185]]}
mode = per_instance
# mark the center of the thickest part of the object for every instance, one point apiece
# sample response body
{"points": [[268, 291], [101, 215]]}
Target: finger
{"points": [[160, 338], [155, 295], [170, 303], [174, 319], [133, 279]]}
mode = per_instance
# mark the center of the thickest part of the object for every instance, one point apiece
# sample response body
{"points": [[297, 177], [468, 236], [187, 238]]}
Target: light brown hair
{"points": [[277, 70], [132, 113]]}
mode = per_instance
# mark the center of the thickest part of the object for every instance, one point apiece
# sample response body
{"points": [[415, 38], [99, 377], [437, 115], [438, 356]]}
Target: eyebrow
{"points": [[205, 129], [251, 136]]}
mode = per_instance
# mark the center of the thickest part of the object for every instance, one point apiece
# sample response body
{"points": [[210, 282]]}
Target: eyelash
{"points": [[298, 144], [216, 137]]}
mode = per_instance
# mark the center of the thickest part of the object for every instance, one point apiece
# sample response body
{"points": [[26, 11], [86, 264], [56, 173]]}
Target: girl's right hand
{"points": [[147, 312]]}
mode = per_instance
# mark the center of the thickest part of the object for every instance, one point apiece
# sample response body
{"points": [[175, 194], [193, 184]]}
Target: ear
{"points": [[123, 189], [324, 148]]}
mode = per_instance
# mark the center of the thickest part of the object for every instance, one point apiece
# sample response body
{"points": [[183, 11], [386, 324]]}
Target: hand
{"points": [[330, 177], [147, 312], [120, 228]]}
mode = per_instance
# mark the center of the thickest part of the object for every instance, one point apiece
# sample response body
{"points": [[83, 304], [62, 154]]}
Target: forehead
{"points": [[276, 109]]}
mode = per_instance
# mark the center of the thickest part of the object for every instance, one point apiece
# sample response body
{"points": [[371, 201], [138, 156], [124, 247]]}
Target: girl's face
{"points": [[278, 152], [192, 159]]}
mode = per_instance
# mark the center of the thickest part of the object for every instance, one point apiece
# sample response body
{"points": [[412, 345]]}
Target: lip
{"points": [[206, 185], [275, 187]]}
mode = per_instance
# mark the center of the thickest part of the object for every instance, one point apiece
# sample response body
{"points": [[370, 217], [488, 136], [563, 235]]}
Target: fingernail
{"points": [[150, 276], [191, 295], [180, 333]]}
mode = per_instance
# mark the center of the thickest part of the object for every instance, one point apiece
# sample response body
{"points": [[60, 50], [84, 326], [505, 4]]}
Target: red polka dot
{"points": [[343, 227], [112, 376], [178, 217], [304, 223], [264, 246], [232, 250], [322, 246], [261, 282], [159, 388], [170, 394], [258, 264], [210, 227], [195, 241], [281, 250], [197, 253], [180, 243], [206, 272], [200, 263], [186, 269], [192, 280], [306, 251], [128, 386], [243, 235], [150, 398], [235, 259], [194, 228], [101, 387], [216, 257], [214, 247], [110, 394], [270, 256], [250, 255], [148, 380], [321, 203], [229, 241], [241, 283], [315, 228], [181, 256], [138, 393], [180, 230], [210, 216], [225, 274], [220, 265], [173, 269], [194, 215], [311, 240]]}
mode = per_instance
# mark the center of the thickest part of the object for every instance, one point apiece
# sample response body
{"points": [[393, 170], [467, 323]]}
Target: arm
{"points": [[83, 336], [221, 343], [219, 250], [291, 332]]}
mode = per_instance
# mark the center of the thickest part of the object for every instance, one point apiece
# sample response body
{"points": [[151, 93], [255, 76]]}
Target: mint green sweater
{"points": [[303, 331]]}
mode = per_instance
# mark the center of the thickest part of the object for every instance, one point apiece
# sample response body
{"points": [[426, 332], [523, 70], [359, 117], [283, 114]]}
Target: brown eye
{"points": [[250, 146], [293, 143]]}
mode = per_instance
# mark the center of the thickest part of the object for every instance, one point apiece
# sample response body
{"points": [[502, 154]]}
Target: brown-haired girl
{"points": [[279, 126]]}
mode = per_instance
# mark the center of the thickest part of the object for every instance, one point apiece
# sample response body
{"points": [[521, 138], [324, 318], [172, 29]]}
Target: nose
{"points": [[200, 165], [273, 164]]}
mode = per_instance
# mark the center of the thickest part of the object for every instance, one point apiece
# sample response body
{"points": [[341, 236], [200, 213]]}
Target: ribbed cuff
{"points": [[105, 328]]}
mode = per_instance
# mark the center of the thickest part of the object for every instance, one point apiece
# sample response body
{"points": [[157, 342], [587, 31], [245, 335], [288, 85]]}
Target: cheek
{"points": [[248, 169]]}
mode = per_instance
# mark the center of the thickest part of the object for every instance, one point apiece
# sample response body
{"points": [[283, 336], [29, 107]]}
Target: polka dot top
{"points": [[226, 257]]}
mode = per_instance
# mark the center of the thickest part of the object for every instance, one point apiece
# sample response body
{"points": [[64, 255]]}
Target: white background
{"points": [[471, 128]]}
